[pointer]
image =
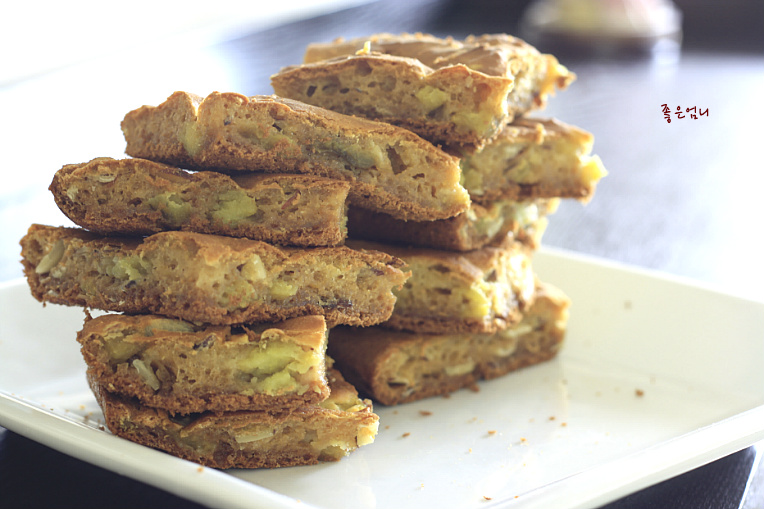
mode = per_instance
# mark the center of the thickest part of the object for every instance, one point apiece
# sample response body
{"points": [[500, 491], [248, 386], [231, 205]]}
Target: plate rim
{"points": [[738, 431]]}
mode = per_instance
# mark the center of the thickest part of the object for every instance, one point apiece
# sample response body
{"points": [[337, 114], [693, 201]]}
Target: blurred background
{"points": [[681, 198]]}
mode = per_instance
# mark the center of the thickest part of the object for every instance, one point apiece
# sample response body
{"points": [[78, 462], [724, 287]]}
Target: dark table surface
{"points": [[680, 197]]}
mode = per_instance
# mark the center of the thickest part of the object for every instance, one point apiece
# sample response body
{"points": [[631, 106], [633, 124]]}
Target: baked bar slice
{"points": [[141, 197], [478, 291], [389, 168], [453, 105], [325, 431], [186, 368], [398, 367], [501, 222], [534, 158], [209, 278], [536, 75]]}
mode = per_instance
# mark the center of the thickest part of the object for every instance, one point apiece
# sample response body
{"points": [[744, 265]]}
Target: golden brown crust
{"points": [[209, 278], [534, 158], [536, 75], [493, 59], [389, 168], [141, 197], [246, 439], [398, 367], [481, 291], [453, 105], [185, 368], [497, 224]]}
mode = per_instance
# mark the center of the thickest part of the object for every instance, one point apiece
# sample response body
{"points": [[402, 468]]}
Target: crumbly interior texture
{"points": [[499, 223], [389, 168], [186, 368], [141, 197], [452, 105], [478, 291], [248, 439], [398, 367], [536, 75], [534, 158], [209, 278]]}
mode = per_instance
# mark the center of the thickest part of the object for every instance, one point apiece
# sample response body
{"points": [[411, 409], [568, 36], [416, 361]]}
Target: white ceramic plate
{"points": [[657, 376]]}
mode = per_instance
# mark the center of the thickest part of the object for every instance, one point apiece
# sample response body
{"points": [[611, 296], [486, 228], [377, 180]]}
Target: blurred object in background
{"points": [[604, 27]]}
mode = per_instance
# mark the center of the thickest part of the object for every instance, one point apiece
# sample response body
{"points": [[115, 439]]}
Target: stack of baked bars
{"points": [[384, 204]]}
